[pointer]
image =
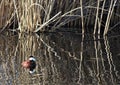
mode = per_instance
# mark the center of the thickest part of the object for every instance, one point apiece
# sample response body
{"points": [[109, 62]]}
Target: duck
{"points": [[30, 64]]}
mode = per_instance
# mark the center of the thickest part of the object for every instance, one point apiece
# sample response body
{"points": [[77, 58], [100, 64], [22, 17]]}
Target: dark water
{"points": [[62, 59]]}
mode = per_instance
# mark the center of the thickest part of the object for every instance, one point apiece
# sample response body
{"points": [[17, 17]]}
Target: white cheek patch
{"points": [[32, 59], [32, 71]]}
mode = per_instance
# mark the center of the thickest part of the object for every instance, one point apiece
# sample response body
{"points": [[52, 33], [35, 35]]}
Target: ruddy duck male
{"points": [[30, 64]]}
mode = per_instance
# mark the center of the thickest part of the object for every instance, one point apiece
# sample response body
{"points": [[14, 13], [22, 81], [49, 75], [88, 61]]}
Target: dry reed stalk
{"points": [[49, 9], [47, 22], [82, 18], [96, 19], [66, 14], [34, 15], [87, 19], [110, 12], [100, 20], [6, 14], [27, 14]]}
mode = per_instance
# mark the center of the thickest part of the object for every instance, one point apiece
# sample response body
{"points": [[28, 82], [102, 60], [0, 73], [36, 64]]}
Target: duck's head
{"points": [[26, 64], [30, 64]]}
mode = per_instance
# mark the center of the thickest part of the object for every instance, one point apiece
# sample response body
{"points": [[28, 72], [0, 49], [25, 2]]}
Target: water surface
{"points": [[62, 59]]}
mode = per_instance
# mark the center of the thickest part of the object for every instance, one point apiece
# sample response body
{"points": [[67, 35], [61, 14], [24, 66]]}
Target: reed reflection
{"points": [[59, 60]]}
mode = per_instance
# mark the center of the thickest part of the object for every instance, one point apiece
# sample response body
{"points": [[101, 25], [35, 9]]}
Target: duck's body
{"points": [[30, 64]]}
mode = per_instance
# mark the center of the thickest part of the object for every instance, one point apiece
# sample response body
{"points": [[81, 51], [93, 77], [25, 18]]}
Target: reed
{"points": [[48, 15], [6, 14]]}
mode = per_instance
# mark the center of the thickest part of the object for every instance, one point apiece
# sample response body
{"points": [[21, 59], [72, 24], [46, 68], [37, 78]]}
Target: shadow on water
{"points": [[60, 60]]}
